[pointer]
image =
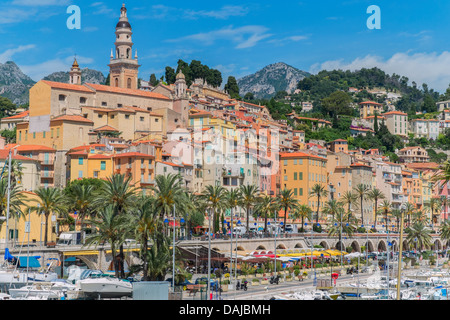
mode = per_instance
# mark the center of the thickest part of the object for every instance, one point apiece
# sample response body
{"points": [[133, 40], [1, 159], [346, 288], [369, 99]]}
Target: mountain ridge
{"points": [[275, 77]]}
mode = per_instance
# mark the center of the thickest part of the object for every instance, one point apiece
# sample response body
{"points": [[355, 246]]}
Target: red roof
{"points": [[67, 86], [299, 155], [4, 154], [18, 116], [72, 118], [105, 128], [34, 148], [371, 102], [133, 154], [395, 112], [132, 92]]}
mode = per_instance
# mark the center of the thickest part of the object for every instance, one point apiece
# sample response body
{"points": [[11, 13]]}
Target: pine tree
{"points": [[232, 88]]}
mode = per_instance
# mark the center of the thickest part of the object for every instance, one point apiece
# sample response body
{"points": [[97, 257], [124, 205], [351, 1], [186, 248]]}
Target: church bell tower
{"points": [[123, 67]]}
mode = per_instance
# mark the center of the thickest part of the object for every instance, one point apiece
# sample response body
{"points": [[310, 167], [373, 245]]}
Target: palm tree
{"points": [[118, 192], [347, 228], [233, 198], [420, 216], [189, 209], [331, 208], [287, 201], [16, 170], [109, 227], [397, 214], [49, 200], [418, 234], [445, 230], [145, 223], [303, 211], [265, 207], [349, 198], [385, 207], [362, 192], [214, 198], [409, 211], [375, 195], [318, 191], [434, 205], [168, 193], [80, 199], [249, 198]]}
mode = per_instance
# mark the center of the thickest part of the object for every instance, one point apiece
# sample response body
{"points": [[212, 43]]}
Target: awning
{"points": [[30, 262]]}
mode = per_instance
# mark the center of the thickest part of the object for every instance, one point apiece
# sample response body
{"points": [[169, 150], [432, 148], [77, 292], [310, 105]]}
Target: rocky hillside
{"points": [[87, 75], [271, 79], [14, 84]]}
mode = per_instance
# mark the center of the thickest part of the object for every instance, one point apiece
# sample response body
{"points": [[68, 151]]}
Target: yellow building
{"points": [[300, 172], [369, 108], [16, 227]]}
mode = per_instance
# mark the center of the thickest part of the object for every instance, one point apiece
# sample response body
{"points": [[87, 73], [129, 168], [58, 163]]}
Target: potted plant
{"points": [[288, 278], [264, 281], [255, 282]]}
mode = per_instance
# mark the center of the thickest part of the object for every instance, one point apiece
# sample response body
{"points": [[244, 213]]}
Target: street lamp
{"points": [[399, 275]]}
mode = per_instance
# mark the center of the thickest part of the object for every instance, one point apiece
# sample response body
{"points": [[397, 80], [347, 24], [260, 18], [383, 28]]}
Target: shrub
{"points": [[255, 280], [317, 228], [296, 272]]}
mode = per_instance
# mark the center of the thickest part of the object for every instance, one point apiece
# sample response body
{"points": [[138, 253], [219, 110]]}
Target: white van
{"points": [[240, 231]]}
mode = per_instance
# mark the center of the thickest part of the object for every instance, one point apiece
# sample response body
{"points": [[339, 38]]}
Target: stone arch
{"points": [[394, 245], [215, 249], [355, 246], [240, 248], [90, 263], [405, 245], [281, 246], [298, 245], [381, 246], [340, 245], [437, 245], [369, 245], [261, 247], [325, 245]]}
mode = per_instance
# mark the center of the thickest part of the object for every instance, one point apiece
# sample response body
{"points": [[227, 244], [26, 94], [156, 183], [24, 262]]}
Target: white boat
{"points": [[56, 290], [37, 291], [105, 286]]}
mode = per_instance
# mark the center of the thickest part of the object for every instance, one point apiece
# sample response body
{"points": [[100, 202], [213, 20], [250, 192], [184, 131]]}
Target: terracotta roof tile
{"points": [[132, 92], [67, 86], [72, 118]]}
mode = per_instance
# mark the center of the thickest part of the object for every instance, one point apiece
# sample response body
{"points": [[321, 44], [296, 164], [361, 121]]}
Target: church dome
{"points": [[123, 24], [180, 75]]}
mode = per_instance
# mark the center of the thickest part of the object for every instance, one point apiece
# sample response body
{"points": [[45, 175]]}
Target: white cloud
{"points": [[41, 3], [223, 13], [243, 37], [39, 71], [101, 8], [430, 68], [15, 15], [8, 54], [285, 40]]}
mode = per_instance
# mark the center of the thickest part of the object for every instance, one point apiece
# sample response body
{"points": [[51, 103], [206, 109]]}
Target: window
{"points": [[142, 119], [34, 135], [301, 191], [80, 174], [127, 116], [129, 83], [57, 132], [20, 135], [116, 82], [83, 100], [156, 120], [301, 175], [104, 104], [51, 133], [62, 97], [80, 160], [295, 175], [43, 134], [103, 165]]}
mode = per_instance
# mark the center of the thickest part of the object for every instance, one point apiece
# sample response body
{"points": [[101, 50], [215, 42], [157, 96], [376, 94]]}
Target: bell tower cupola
{"points": [[123, 68]]}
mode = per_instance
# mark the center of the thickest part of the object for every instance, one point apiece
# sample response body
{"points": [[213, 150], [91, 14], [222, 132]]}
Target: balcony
{"points": [[147, 181], [47, 174]]}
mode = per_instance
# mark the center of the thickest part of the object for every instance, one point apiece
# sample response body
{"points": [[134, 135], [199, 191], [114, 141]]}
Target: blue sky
{"points": [[236, 37]]}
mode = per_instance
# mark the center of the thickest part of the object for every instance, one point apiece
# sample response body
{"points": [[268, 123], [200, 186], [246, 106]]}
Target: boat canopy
{"points": [[22, 262]]}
